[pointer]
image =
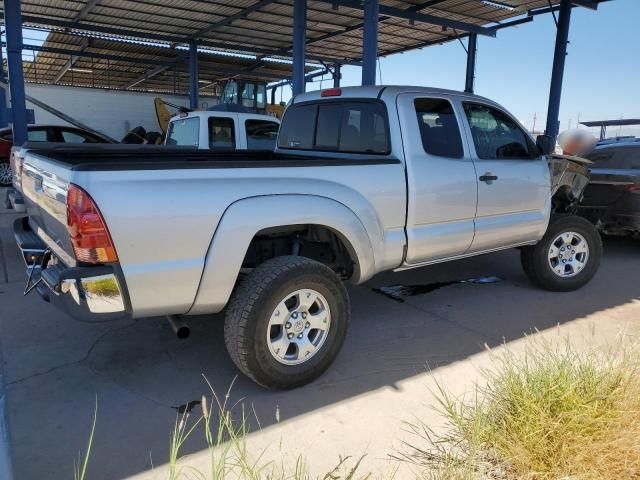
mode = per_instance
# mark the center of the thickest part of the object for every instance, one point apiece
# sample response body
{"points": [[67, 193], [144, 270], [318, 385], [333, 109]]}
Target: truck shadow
{"points": [[143, 375]]}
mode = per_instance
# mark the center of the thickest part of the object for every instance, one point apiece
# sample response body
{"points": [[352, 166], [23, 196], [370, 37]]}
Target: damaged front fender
{"points": [[569, 178]]}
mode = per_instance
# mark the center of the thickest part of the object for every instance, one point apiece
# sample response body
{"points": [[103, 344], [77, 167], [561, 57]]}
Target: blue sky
{"points": [[602, 72]]}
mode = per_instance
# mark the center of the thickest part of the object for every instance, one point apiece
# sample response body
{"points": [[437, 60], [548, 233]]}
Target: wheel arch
{"points": [[246, 218]]}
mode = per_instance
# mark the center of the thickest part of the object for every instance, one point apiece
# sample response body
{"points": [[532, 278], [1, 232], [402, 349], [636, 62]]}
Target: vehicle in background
{"points": [[41, 133], [624, 139], [363, 180], [212, 129], [612, 198]]}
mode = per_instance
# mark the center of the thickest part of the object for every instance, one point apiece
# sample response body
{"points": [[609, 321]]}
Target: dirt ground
{"points": [[55, 367]]}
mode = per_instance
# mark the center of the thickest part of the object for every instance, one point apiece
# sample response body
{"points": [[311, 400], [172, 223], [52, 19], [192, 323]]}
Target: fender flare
{"points": [[245, 218]]}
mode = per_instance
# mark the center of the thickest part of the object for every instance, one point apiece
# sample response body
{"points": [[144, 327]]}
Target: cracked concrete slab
{"points": [[56, 367]]}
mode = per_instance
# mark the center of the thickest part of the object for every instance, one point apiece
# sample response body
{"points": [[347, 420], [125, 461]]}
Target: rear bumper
{"points": [[89, 294]]}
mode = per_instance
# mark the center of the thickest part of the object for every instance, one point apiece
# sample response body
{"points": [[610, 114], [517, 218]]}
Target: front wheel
{"points": [[5, 174], [567, 257], [286, 322]]}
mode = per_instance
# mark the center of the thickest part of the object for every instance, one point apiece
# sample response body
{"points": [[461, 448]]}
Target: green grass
{"points": [[80, 467], [550, 413], [229, 457]]}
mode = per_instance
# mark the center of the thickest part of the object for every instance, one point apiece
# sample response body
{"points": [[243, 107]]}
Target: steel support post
{"points": [[13, 30], [193, 74], [471, 62], [337, 75], [3, 93], [370, 42], [560, 53], [298, 84]]}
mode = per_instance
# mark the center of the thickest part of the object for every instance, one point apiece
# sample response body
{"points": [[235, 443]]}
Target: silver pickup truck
{"points": [[364, 180]]}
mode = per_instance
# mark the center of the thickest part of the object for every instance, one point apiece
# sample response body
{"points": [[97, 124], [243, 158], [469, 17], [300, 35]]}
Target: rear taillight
{"points": [[634, 189], [88, 233]]}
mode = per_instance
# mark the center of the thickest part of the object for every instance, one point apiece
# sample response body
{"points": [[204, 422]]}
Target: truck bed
{"points": [[108, 157]]}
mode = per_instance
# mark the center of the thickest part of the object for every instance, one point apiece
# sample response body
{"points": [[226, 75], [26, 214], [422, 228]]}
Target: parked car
{"points": [[364, 180], [41, 133], [223, 130], [612, 198]]}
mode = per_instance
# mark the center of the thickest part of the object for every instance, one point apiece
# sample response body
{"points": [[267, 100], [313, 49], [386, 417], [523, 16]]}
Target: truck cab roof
{"points": [[378, 91]]}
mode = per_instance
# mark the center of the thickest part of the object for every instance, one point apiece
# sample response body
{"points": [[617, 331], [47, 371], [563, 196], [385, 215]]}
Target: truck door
{"points": [[513, 179], [441, 179]]}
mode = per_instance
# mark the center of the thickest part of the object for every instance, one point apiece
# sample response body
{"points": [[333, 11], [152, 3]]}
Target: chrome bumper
{"points": [[89, 294]]}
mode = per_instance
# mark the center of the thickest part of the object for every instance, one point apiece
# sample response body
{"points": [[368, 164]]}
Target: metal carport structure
{"points": [[133, 66], [331, 32]]}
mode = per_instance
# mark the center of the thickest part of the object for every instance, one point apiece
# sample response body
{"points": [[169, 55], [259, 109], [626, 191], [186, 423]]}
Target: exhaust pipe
{"points": [[180, 328]]}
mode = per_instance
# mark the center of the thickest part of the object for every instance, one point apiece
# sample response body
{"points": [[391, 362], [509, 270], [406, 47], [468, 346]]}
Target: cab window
{"points": [[496, 135], [438, 127], [337, 126], [221, 132], [184, 132], [261, 134]]}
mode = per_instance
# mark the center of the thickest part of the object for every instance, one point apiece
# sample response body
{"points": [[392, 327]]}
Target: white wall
{"points": [[111, 112]]}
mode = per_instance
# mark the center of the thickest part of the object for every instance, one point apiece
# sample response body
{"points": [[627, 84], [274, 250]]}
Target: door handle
{"points": [[488, 177]]}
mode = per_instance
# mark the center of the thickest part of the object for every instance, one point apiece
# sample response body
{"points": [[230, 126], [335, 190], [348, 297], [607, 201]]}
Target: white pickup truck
{"points": [[364, 180]]}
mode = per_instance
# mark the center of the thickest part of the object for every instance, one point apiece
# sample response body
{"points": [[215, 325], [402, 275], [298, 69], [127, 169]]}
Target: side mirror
{"points": [[545, 144]]}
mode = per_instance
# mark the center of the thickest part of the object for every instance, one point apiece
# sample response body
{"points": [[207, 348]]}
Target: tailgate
{"points": [[44, 187]]}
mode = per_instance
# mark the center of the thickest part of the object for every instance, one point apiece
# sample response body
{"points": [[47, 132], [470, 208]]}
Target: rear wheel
{"points": [[5, 174], [567, 257], [286, 322]]}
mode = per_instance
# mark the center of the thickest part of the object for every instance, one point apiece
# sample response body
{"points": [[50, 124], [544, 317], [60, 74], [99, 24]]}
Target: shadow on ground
{"points": [[55, 367]]}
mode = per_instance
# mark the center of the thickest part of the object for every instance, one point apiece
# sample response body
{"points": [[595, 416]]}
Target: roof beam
{"points": [[120, 32], [86, 10], [147, 75], [104, 56], [232, 18], [427, 4], [592, 4], [155, 71], [414, 16], [84, 44]]}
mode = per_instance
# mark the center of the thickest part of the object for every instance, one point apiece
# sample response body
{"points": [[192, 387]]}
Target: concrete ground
{"points": [[55, 368]]}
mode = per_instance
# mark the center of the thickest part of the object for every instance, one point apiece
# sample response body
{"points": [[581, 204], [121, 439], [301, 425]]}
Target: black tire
{"points": [[4, 168], [254, 301], [535, 259]]}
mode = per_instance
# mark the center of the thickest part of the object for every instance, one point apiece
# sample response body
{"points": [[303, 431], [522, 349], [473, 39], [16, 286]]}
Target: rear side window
{"points": [[76, 137], [496, 135], [622, 158], [185, 131], [221, 132], [438, 128], [349, 127], [261, 134], [37, 135]]}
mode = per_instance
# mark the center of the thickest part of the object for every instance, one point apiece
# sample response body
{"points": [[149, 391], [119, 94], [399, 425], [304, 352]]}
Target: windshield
{"points": [[185, 132]]}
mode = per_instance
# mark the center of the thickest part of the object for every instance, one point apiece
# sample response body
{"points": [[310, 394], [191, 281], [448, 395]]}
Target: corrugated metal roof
{"points": [[265, 26], [117, 64]]}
